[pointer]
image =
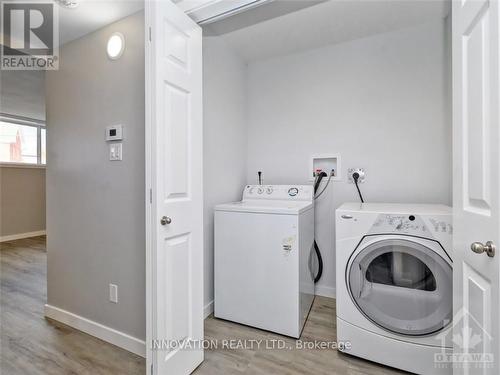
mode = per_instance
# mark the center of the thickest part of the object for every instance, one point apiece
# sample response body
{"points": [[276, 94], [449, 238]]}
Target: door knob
{"points": [[479, 248], [165, 220]]}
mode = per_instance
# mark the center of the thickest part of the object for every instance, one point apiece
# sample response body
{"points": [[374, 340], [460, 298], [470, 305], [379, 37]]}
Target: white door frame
{"points": [[149, 183]]}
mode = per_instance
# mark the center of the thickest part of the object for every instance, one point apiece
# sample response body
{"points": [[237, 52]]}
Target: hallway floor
{"points": [[31, 344]]}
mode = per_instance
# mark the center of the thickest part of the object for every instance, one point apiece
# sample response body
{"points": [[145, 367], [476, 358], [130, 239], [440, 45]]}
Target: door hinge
{"points": [[150, 38], [151, 196]]}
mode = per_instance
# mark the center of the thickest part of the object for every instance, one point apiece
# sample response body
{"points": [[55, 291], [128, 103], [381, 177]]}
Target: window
{"points": [[22, 142]]}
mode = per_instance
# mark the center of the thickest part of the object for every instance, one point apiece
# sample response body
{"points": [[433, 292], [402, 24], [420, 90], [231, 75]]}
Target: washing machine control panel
{"points": [[279, 192], [410, 224]]}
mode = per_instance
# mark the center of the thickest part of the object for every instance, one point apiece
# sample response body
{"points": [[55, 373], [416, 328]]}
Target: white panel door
{"points": [[174, 100], [476, 143]]}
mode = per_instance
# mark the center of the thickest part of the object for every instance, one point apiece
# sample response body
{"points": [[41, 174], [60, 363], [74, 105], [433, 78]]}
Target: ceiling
{"points": [[91, 15], [324, 23], [277, 28]]}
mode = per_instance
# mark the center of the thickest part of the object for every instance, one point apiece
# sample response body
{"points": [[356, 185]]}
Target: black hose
{"points": [[320, 263], [355, 177], [316, 247], [359, 191]]}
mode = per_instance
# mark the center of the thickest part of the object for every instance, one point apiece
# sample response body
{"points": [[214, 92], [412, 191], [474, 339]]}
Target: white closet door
{"points": [[174, 103], [476, 144]]}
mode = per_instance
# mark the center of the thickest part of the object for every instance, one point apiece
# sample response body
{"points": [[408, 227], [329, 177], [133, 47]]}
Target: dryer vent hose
{"points": [[316, 247]]}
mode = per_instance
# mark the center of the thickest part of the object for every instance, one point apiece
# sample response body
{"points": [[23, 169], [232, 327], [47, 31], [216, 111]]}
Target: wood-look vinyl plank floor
{"points": [[30, 343], [320, 326]]}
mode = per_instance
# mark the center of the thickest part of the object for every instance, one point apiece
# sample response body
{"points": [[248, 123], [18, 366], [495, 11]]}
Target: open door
{"points": [[476, 201], [174, 143]]}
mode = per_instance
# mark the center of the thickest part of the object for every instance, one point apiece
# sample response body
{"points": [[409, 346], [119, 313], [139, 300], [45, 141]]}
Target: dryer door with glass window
{"points": [[402, 284]]}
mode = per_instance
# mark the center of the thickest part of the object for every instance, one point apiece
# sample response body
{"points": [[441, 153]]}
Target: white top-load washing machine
{"points": [[394, 284], [263, 246]]}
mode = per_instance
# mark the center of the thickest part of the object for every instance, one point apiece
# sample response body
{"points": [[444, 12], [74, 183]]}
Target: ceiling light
{"points": [[116, 46], [70, 4]]}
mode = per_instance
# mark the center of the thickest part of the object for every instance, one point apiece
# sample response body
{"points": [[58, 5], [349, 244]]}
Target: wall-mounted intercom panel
{"points": [[114, 133]]}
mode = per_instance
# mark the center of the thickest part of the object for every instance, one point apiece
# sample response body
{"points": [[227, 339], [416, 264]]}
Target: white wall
{"points": [[95, 207], [381, 102], [225, 139]]}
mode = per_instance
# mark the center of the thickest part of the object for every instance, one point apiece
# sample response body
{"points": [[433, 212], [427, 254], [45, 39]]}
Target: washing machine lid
{"points": [[403, 284], [284, 207]]}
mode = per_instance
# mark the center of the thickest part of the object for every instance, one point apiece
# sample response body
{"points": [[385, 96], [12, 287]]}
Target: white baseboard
{"points": [[208, 309], [98, 330], [325, 291], [20, 236]]}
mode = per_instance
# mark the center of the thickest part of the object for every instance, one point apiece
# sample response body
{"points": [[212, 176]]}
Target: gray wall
{"points": [[22, 200], [225, 138], [95, 208], [381, 102]]}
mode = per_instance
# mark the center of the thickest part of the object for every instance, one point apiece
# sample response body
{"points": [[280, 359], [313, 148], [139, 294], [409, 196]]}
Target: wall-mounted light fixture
{"points": [[116, 46]]}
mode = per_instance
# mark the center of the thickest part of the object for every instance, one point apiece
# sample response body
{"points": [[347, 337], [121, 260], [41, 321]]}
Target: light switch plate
{"points": [[115, 151]]}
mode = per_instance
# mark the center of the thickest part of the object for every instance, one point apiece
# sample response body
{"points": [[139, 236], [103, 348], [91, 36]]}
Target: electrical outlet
{"points": [[361, 173], [113, 293]]}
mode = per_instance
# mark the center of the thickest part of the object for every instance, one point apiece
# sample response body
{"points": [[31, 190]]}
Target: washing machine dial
{"points": [[260, 191], [269, 190], [293, 191]]}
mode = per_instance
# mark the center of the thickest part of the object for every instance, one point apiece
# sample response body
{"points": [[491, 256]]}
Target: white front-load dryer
{"points": [[394, 284]]}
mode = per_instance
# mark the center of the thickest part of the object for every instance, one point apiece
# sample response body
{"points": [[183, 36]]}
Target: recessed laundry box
{"points": [[263, 246]]}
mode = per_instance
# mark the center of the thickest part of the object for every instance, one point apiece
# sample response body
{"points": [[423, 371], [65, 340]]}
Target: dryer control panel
{"points": [[410, 224], [279, 192]]}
